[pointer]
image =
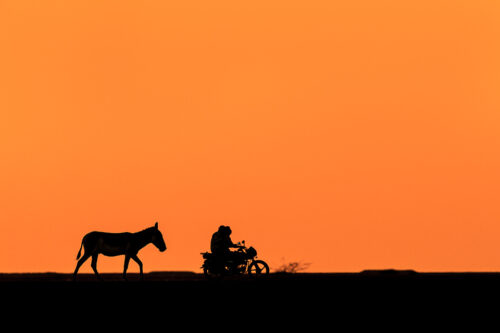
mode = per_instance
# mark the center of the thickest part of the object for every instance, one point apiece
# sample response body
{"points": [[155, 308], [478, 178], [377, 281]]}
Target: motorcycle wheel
{"points": [[209, 273], [258, 267]]}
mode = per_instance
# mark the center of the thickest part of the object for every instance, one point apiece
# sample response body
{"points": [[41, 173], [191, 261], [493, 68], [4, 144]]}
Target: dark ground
{"points": [[282, 300]]}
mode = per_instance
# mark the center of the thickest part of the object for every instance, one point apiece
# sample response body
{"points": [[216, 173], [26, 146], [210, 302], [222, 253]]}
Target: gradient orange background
{"points": [[348, 134]]}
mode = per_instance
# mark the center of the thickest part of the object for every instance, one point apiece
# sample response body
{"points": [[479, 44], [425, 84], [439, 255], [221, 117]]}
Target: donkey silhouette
{"points": [[114, 244]]}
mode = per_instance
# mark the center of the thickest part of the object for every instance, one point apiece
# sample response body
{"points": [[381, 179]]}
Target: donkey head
{"points": [[157, 238]]}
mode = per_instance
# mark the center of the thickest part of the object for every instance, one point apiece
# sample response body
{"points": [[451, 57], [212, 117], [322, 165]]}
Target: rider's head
{"points": [[225, 230]]}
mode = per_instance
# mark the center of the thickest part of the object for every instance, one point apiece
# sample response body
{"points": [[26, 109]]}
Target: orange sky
{"points": [[347, 134]]}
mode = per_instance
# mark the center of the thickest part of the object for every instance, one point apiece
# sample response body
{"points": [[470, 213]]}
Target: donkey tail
{"points": [[80, 251]]}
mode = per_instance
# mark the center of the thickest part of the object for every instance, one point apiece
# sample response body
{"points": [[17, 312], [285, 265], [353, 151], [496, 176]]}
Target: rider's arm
{"points": [[232, 245]]}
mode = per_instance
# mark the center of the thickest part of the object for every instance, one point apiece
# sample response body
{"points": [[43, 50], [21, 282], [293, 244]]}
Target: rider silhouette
{"points": [[221, 243]]}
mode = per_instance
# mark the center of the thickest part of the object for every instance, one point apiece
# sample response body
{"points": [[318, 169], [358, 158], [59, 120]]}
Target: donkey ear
{"points": [[156, 225]]}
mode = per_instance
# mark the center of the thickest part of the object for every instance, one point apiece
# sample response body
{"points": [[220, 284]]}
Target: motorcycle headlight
{"points": [[251, 252]]}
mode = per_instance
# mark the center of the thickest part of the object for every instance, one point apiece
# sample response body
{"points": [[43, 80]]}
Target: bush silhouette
{"points": [[292, 267]]}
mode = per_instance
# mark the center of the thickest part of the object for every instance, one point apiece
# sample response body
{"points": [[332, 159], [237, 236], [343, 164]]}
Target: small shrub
{"points": [[293, 267]]}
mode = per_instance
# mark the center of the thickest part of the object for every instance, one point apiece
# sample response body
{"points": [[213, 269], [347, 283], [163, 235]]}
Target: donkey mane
{"points": [[150, 229]]}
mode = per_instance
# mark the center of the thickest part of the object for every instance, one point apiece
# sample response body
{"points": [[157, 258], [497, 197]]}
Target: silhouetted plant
{"points": [[293, 267]]}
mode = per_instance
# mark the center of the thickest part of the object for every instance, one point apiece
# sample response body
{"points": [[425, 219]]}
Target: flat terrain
{"points": [[295, 298]]}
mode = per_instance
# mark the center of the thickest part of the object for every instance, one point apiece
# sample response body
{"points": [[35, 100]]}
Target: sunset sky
{"points": [[346, 134]]}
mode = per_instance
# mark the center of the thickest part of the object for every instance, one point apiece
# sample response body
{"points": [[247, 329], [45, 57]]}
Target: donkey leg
{"points": [[79, 263], [125, 266], [94, 265], [139, 262]]}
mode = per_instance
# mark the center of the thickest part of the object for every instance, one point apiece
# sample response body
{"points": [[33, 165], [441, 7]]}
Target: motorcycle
{"points": [[244, 262]]}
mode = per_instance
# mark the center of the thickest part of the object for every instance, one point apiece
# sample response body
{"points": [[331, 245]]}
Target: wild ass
{"points": [[114, 244]]}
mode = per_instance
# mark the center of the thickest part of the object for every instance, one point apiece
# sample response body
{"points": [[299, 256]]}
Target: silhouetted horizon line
{"points": [[365, 271]]}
